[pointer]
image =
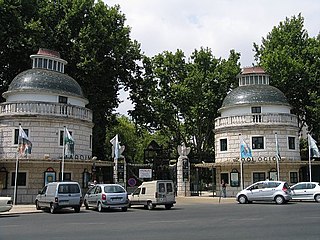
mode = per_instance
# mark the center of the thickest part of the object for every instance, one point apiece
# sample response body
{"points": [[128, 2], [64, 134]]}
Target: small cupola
{"points": [[253, 76], [49, 60]]}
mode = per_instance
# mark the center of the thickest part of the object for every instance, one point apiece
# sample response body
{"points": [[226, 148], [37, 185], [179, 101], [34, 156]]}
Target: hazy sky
{"points": [[221, 25]]}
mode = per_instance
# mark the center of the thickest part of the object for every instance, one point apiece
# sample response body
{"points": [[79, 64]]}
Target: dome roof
{"points": [[254, 94], [45, 81]]}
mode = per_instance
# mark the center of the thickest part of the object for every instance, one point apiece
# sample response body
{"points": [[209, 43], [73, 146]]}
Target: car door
{"points": [[134, 198], [299, 191], [270, 189], [170, 192], [90, 196], [309, 191], [256, 192], [41, 197], [96, 196]]}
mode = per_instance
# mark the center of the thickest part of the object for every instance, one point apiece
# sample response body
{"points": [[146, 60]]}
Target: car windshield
{"points": [[113, 189], [69, 188]]}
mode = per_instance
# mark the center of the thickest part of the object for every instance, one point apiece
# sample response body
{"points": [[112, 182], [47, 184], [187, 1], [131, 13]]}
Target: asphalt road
{"points": [[184, 221]]}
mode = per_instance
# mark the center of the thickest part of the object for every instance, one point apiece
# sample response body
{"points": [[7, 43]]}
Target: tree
{"points": [[134, 139], [91, 36], [181, 98], [292, 59]]}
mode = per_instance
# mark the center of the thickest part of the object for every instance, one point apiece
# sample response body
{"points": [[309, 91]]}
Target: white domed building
{"points": [[258, 114], [44, 100]]}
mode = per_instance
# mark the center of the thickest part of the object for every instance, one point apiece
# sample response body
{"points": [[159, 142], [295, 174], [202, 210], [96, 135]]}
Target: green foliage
{"points": [[135, 140], [90, 35], [292, 59], [181, 97]]}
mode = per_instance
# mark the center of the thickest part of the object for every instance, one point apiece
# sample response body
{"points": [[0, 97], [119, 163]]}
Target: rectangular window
{"points": [[257, 143], [90, 144], [225, 177], [16, 135], [63, 99], [293, 177], [50, 64], [21, 179], [255, 109], [40, 63], [45, 63], [259, 176], [55, 65], [292, 143], [223, 145], [61, 137], [35, 63], [66, 176]]}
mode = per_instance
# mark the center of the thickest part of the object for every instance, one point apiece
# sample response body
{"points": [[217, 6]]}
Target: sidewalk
{"points": [[31, 208]]}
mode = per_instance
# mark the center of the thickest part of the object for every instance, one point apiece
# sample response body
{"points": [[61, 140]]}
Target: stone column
{"points": [[183, 171]]}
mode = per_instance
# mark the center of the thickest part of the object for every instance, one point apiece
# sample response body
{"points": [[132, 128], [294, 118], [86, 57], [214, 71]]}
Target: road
{"points": [[185, 221]]}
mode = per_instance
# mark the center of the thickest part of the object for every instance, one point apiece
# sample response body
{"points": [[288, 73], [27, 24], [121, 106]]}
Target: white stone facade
{"points": [[44, 101]]}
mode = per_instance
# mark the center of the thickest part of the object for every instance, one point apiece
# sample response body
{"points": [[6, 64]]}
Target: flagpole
{"points": [[277, 157], [241, 164], [309, 147], [15, 181], [63, 152], [16, 173]]}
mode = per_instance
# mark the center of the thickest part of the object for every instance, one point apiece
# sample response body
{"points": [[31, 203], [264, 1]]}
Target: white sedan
{"points": [[306, 191], [5, 204]]}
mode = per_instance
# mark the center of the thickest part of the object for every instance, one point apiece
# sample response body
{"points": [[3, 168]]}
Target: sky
{"points": [[221, 25]]}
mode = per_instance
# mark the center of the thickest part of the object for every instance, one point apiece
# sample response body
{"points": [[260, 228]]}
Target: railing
{"points": [[252, 119], [45, 109]]}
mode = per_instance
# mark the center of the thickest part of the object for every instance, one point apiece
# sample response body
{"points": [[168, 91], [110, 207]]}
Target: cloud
{"points": [[222, 25]]}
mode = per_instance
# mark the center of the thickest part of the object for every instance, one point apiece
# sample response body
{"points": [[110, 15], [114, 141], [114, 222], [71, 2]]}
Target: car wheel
{"points": [[168, 206], [37, 205], [77, 209], [86, 205], [242, 199], [100, 208], [279, 199], [150, 206], [317, 198], [52, 208], [124, 209]]}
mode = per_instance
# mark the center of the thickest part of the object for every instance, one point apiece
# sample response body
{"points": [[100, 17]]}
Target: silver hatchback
{"points": [[306, 191], [106, 196], [277, 191]]}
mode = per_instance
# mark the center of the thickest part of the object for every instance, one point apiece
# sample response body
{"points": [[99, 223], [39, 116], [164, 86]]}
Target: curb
{"points": [[25, 209]]}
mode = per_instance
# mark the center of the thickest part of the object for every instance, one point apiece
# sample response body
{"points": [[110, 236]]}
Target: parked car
{"points": [[57, 195], [106, 196], [277, 191], [5, 204], [306, 191], [153, 193]]}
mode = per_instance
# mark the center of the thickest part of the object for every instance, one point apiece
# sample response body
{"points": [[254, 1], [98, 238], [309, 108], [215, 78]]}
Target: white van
{"points": [[153, 193], [57, 195]]}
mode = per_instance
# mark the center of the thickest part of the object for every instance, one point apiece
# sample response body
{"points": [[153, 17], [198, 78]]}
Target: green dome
{"points": [[254, 94], [47, 81]]}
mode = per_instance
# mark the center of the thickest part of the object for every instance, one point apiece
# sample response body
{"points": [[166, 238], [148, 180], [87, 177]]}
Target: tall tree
{"points": [[90, 35], [135, 140], [181, 97], [292, 59]]}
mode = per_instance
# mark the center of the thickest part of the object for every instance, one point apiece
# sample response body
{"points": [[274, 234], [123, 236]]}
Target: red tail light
{"points": [[104, 197], [284, 189]]}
